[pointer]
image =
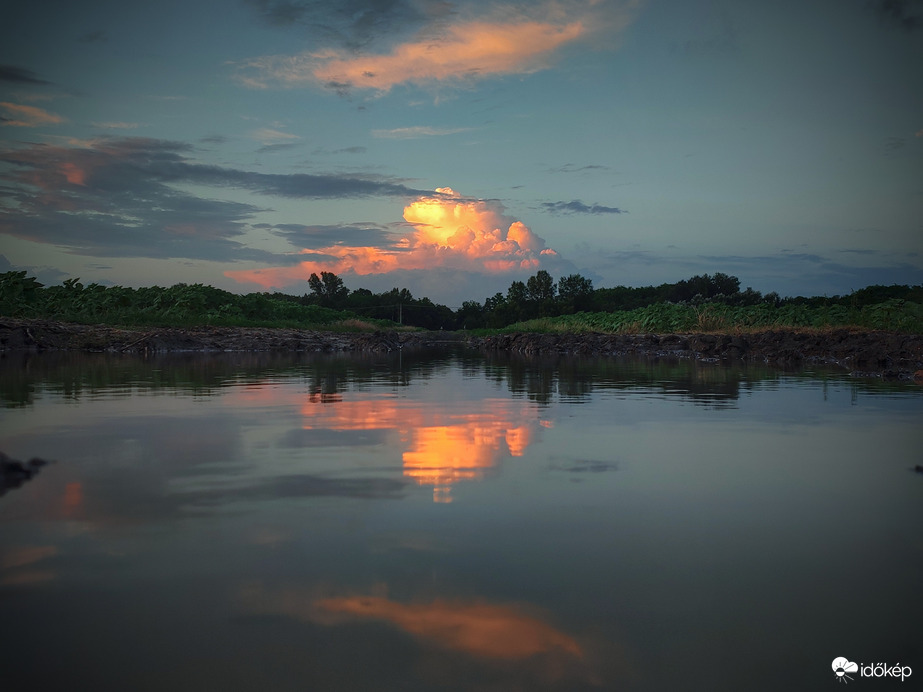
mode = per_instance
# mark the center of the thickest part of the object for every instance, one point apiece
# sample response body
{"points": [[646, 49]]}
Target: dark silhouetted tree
{"points": [[575, 293], [328, 288], [540, 287]]}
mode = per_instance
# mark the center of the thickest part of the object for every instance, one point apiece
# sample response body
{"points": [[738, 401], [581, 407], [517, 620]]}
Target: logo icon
{"points": [[842, 666]]}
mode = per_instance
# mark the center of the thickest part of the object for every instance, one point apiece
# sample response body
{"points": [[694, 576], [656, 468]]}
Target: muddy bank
{"points": [[877, 354], [44, 335]]}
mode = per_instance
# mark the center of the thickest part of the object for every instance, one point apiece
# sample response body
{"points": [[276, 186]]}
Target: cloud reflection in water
{"points": [[444, 443]]}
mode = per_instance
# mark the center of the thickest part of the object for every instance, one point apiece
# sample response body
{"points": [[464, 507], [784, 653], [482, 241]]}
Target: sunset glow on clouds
{"points": [[19, 115], [472, 49], [449, 231], [464, 50], [286, 136]]}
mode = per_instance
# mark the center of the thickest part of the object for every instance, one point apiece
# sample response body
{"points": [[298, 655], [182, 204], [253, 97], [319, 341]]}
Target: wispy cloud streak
{"points": [[578, 207], [20, 75], [457, 50], [417, 132], [27, 116]]}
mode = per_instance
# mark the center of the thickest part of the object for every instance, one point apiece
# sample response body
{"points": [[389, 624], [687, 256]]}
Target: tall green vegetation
{"points": [[328, 305], [701, 303], [896, 315], [182, 304]]}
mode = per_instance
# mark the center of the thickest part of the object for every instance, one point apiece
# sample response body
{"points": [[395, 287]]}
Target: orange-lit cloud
{"points": [[467, 50], [449, 231], [460, 47], [462, 51], [73, 174], [27, 116]]}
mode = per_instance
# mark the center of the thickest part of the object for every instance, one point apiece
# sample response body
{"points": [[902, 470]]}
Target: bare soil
{"points": [[46, 335], [872, 354], [875, 354]]}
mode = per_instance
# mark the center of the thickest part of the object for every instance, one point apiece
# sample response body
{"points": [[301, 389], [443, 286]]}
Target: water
{"points": [[450, 522]]}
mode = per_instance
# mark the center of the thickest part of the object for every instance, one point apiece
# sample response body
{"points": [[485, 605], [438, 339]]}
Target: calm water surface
{"points": [[450, 522]]}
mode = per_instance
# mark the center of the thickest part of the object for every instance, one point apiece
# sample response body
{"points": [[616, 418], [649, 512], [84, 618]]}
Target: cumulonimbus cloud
{"points": [[462, 50], [448, 231]]}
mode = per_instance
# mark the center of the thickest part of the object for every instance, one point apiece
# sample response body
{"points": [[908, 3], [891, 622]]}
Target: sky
{"points": [[453, 147]]}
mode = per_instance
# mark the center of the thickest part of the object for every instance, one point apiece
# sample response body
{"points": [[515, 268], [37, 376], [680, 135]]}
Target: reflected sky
{"points": [[455, 522]]}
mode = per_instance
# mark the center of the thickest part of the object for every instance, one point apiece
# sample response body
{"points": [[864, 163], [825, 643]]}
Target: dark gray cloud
{"points": [[122, 197], [20, 75], [345, 150], [578, 207], [786, 272], [315, 237], [572, 168], [279, 12], [810, 274], [282, 146], [351, 23], [906, 14], [48, 276]]}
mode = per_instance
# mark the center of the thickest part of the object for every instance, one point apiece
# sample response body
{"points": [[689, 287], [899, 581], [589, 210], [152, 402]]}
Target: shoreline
{"points": [[31, 335], [873, 354], [866, 354]]}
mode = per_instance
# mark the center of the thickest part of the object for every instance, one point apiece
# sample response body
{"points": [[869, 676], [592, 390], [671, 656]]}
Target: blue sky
{"points": [[454, 147]]}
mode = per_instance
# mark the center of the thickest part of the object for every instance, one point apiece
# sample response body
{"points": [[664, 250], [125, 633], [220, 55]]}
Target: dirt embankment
{"points": [[881, 354], [44, 335]]}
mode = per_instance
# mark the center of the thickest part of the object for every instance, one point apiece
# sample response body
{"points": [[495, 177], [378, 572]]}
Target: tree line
{"points": [[327, 301]]}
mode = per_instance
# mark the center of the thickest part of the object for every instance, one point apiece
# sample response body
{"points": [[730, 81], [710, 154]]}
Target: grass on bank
{"points": [[893, 315]]}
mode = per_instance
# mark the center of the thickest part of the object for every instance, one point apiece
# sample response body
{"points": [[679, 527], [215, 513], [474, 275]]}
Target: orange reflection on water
{"points": [[478, 629], [26, 555], [446, 443], [373, 413], [17, 565], [446, 454], [72, 502]]}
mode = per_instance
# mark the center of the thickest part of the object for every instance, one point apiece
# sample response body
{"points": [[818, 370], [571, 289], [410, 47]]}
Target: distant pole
{"points": [[400, 313]]}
